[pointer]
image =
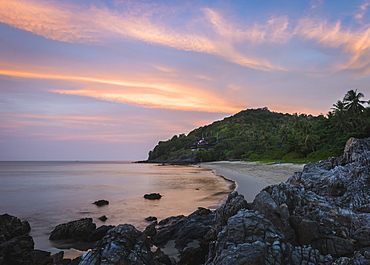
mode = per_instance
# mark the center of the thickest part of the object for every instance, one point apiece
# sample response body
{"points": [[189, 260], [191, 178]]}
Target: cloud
{"points": [[64, 22], [70, 127], [362, 10], [316, 3], [355, 43], [274, 30], [151, 95]]}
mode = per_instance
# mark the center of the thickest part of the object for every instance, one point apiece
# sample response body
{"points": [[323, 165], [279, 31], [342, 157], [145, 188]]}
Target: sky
{"points": [[108, 79]]}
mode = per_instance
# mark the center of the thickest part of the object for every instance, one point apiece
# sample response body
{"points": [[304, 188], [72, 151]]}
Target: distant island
{"points": [[261, 134]]}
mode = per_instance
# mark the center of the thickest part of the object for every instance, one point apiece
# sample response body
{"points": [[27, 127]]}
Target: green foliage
{"points": [[321, 155], [291, 156], [262, 134]]}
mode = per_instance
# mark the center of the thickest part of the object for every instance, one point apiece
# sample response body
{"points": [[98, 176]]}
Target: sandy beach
{"points": [[251, 177]]}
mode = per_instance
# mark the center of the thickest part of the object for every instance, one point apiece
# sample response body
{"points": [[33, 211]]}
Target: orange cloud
{"points": [[83, 127], [356, 42], [63, 22], [167, 96]]}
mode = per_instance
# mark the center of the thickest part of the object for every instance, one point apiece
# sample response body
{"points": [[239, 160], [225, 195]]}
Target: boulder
{"points": [[101, 203], [103, 218], [153, 196], [151, 219], [11, 226], [150, 230], [123, 244], [184, 229], [78, 230], [99, 233], [17, 247]]}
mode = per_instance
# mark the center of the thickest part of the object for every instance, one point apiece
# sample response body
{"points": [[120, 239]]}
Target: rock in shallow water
{"points": [[101, 203], [153, 196], [76, 230]]}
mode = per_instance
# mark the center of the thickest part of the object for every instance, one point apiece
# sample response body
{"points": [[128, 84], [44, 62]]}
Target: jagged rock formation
{"points": [[124, 245], [17, 247], [324, 207]]}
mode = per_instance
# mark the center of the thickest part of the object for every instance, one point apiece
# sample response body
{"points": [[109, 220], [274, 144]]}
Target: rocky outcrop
{"points": [[319, 216], [78, 230], [232, 205], [184, 230], [17, 247], [124, 245]]}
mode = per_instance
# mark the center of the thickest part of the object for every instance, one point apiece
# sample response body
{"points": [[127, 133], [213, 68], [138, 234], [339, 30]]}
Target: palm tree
{"points": [[339, 107], [339, 116], [353, 103]]}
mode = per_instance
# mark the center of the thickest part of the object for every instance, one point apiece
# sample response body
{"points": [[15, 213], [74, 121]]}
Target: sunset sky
{"points": [[108, 79]]}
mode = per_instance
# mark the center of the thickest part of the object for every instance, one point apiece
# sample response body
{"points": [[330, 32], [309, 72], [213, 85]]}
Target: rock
{"points": [[78, 230], [57, 257], [99, 233], [153, 196], [232, 205], [150, 230], [188, 234], [17, 250], [41, 257], [160, 258], [123, 244], [16, 246], [201, 212], [11, 226], [184, 229], [103, 218], [277, 215], [101, 203], [249, 238], [151, 219]]}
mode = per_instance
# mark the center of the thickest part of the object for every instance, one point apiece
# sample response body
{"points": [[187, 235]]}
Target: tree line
{"points": [[260, 134]]}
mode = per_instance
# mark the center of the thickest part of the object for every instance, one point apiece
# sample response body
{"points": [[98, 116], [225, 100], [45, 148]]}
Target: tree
{"points": [[353, 103], [339, 116]]}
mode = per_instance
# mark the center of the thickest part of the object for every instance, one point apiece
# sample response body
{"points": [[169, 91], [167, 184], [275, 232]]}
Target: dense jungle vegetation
{"points": [[260, 134]]}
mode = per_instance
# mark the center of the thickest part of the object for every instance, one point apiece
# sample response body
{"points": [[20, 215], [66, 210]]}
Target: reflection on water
{"points": [[49, 193]]}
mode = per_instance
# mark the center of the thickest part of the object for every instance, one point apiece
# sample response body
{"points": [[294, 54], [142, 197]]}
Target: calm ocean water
{"points": [[49, 193]]}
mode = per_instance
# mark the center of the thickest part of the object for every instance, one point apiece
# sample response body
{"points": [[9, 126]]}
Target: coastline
{"points": [[251, 177]]}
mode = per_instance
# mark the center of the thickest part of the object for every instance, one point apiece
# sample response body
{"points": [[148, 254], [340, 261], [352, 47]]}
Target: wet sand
{"points": [[251, 177]]}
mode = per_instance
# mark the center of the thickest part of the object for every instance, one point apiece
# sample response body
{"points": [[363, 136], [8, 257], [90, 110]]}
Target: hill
{"points": [[263, 134]]}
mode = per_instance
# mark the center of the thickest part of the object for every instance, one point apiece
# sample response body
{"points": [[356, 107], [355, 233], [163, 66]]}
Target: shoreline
{"points": [[251, 177]]}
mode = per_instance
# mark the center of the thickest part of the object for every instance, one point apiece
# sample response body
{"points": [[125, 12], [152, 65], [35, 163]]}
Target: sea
{"points": [[50, 193]]}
